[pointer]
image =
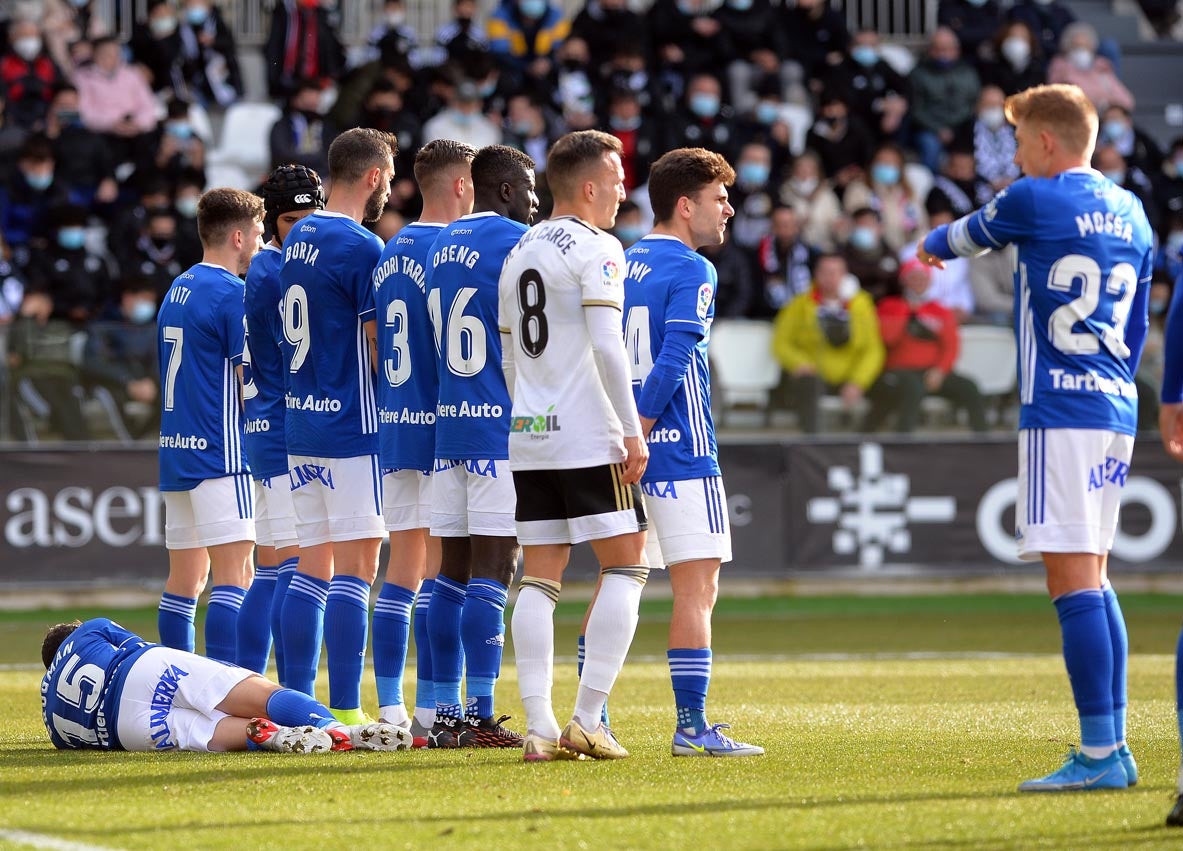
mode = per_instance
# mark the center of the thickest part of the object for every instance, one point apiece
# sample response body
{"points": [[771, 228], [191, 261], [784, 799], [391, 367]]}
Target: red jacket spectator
{"points": [[28, 77], [918, 336]]}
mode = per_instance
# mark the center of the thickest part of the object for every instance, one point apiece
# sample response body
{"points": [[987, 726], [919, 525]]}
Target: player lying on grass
{"points": [[107, 688]]}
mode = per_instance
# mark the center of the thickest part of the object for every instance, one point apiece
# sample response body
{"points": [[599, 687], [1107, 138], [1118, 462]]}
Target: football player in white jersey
{"points": [[204, 475], [575, 444], [1085, 254], [669, 307]]}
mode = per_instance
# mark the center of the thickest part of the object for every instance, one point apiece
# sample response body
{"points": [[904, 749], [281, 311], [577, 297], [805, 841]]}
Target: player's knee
{"points": [[638, 573]]}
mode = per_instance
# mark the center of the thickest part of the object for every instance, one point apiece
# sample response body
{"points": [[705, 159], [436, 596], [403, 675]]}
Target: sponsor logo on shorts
{"points": [[660, 490], [306, 474], [1113, 471], [161, 706], [486, 469]]}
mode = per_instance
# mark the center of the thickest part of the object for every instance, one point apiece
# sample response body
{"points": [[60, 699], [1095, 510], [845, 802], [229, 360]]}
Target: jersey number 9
{"points": [[295, 324]]}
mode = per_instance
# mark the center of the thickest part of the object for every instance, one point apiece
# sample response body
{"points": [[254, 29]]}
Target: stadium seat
{"points": [[244, 141], [743, 370], [988, 357], [800, 119], [919, 178]]}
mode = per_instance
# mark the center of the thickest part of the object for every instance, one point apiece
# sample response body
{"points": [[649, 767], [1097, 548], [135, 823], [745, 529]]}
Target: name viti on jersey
{"points": [[464, 409], [406, 417], [311, 403]]}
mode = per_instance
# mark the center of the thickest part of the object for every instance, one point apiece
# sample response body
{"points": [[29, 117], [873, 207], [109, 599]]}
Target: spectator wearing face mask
{"points": [[28, 76], [688, 40], [1109, 161], [872, 89], [868, 257], [188, 192], [526, 129], [628, 71], [156, 47], [393, 33], [817, 35], [179, 150], [827, 342], [785, 263], [1140, 151], [638, 134], [890, 195], [75, 279], [992, 139], [736, 292], [752, 196], [384, 109], [463, 120], [1168, 260], [760, 46], [114, 100], [812, 198], [84, 162], [1017, 62], [944, 92], [302, 44], [843, 142], [26, 199], [603, 24], [1046, 19], [973, 21], [959, 188], [630, 224], [68, 22], [301, 136], [922, 340], [154, 256], [1079, 64], [209, 55], [704, 120], [524, 36], [460, 38], [1168, 182]]}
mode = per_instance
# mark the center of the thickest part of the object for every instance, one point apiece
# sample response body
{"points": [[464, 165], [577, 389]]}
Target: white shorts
{"points": [[689, 520], [472, 498], [217, 511], [275, 516], [406, 500], [1070, 483], [170, 700], [336, 499]]}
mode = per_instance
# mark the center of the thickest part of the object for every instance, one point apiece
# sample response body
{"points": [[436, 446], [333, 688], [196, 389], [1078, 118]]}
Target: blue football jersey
{"points": [[262, 368], [408, 360], [667, 286], [80, 692], [474, 407], [199, 332], [1085, 255], [328, 264]]}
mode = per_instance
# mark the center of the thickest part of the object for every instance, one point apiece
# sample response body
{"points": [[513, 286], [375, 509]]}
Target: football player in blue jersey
{"points": [[204, 477], [1085, 252], [1170, 425], [290, 193], [472, 492], [408, 390], [669, 305], [332, 420], [106, 688]]}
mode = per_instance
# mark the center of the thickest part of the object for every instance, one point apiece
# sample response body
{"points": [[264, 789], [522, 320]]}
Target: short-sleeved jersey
{"points": [[473, 413], [408, 360], [1084, 265], [262, 368], [199, 345], [668, 287], [328, 294], [562, 416], [80, 692]]}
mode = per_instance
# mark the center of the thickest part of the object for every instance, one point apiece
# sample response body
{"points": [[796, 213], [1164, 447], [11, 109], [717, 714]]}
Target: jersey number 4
{"points": [[1122, 283]]}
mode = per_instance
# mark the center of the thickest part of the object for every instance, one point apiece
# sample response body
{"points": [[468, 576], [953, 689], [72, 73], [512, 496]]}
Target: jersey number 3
{"points": [[1122, 283]]}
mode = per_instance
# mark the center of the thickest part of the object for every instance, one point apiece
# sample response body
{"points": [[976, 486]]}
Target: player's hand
{"points": [[636, 459], [1170, 425], [926, 258]]}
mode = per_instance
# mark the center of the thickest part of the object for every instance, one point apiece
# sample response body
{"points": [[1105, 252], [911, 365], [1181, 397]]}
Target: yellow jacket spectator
{"points": [[524, 34], [827, 341]]}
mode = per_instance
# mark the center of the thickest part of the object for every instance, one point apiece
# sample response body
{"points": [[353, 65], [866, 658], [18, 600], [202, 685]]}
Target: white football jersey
{"points": [[562, 416]]}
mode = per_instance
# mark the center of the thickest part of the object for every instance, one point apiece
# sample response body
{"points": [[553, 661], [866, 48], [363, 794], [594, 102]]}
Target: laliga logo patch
{"points": [[611, 271], [303, 199], [704, 300]]}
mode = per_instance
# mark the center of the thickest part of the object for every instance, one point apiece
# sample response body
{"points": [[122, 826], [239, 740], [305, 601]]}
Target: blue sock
{"points": [[221, 622], [392, 633], [579, 671], [282, 579], [1088, 656], [690, 673], [424, 678], [447, 652], [1120, 642], [291, 708], [254, 622], [346, 616], [482, 629], [302, 624], [175, 621]]}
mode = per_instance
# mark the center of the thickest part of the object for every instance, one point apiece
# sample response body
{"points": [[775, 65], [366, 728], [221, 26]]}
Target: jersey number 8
{"points": [[532, 329]]}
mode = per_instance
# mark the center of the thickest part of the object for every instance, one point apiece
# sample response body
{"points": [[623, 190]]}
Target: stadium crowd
{"points": [[844, 155]]}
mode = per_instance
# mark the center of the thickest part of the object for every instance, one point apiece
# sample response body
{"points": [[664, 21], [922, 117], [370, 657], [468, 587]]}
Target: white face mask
{"points": [[27, 48], [992, 116], [1017, 51], [804, 185], [1081, 57]]}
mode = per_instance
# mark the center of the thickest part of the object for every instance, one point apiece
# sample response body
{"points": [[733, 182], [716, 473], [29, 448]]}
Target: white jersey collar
{"points": [[216, 266]]}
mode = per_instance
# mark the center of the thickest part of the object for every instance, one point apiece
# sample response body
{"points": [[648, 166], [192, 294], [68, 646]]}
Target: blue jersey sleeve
{"points": [[692, 299], [1172, 373], [361, 278], [669, 368], [232, 326], [1007, 218]]}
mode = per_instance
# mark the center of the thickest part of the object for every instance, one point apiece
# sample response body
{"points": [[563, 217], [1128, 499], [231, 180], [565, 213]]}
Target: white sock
{"points": [[395, 714], [425, 715], [1093, 752], [533, 632], [589, 706], [610, 629]]}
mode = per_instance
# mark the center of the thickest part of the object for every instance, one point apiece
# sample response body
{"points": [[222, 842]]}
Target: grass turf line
{"points": [[874, 753]]}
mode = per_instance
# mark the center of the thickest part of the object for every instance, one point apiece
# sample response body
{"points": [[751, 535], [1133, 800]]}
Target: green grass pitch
{"points": [[889, 723]]}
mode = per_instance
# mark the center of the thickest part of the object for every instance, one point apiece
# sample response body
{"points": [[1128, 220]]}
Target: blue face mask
{"points": [[704, 105], [863, 239], [180, 130], [187, 206], [767, 112], [72, 238], [619, 122], [40, 182], [752, 174], [865, 55], [885, 173], [1113, 130], [142, 312], [628, 234], [532, 8], [522, 128], [1116, 176], [741, 5], [1178, 161], [1158, 306], [196, 15], [1174, 242]]}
